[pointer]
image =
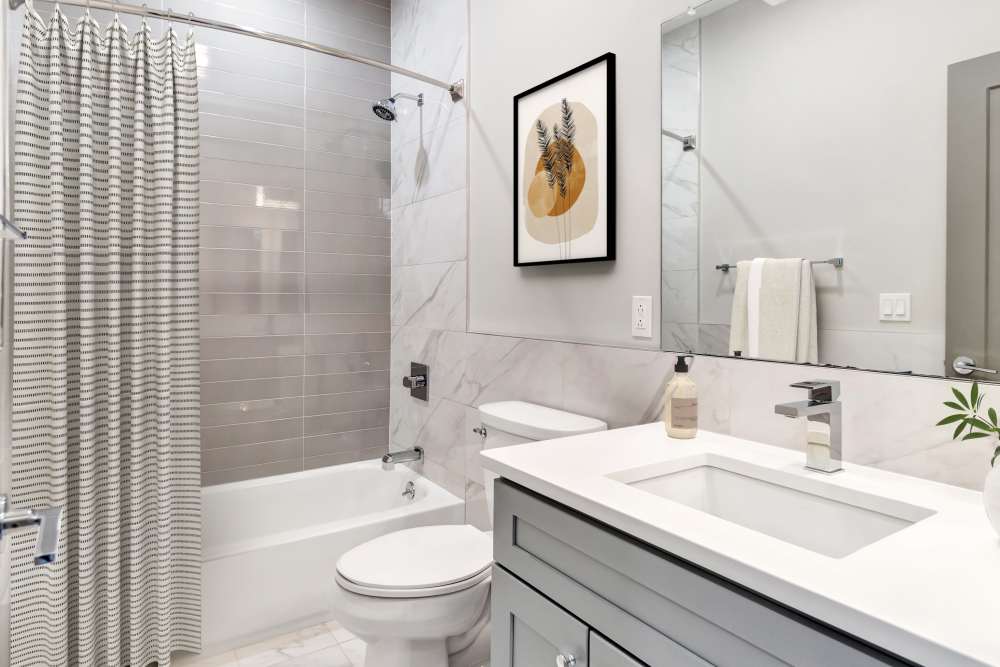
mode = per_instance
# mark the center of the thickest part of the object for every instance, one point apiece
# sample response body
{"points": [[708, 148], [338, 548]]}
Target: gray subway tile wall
{"points": [[295, 239]]}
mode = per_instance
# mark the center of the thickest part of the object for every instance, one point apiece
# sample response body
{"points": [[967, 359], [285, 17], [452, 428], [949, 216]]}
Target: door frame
{"points": [[6, 122], [968, 210]]}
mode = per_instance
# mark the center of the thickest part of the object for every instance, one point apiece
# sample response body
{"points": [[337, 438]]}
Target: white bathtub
{"points": [[271, 545]]}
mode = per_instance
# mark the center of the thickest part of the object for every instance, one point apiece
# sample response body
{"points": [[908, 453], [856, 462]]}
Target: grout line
{"points": [[302, 149], [388, 28]]}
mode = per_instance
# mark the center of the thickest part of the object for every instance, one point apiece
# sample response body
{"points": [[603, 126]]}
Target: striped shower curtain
{"points": [[105, 358]]}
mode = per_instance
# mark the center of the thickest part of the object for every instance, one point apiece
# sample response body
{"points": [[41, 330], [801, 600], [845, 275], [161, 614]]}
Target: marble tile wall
{"points": [[680, 71], [295, 239], [429, 213]]}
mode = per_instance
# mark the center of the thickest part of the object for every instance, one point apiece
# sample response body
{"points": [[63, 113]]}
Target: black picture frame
{"points": [[610, 152]]}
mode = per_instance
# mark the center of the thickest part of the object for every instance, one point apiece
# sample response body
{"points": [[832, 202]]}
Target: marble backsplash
{"points": [[888, 420]]}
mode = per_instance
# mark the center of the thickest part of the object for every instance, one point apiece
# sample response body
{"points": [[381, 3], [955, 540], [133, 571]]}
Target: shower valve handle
{"points": [[414, 381], [417, 380]]}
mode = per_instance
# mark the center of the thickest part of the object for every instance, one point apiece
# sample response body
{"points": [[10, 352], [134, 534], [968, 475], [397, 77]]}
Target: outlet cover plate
{"points": [[642, 317]]}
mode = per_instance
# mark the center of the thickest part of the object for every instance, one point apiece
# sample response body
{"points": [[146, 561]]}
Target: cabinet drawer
{"points": [[530, 631], [569, 556], [605, 654]]}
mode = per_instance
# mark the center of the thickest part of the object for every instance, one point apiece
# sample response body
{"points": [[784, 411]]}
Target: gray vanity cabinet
{"points": [[566, 586], [535, 631]]}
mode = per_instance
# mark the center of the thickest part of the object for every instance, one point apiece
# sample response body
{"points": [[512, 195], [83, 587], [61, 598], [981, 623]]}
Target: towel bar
{"points": [[837, 262]]}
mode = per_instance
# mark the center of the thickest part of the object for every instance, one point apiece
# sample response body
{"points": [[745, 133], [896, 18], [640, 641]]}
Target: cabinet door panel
{"points": [[530, 631]]}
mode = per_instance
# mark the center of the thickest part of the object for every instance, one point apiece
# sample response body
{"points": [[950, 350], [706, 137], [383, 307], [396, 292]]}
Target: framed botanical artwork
{"points": [[564, 167]]}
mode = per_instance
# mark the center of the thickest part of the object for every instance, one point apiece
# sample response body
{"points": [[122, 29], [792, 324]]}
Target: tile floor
{"points": [[327, 645]]}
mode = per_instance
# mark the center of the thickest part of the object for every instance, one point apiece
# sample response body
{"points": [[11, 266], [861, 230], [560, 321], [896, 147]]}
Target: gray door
{"points": [[530, 631], [973, 289]]}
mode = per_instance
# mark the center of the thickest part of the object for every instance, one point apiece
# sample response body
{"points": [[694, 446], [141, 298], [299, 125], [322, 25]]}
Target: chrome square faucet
{"points": [[823, 444]]}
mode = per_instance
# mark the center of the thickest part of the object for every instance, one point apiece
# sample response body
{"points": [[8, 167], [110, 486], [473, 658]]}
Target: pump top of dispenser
{"points": [[682, 365]]}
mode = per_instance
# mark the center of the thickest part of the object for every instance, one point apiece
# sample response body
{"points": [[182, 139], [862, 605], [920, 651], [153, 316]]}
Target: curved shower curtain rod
{"points": [[456, 89]]}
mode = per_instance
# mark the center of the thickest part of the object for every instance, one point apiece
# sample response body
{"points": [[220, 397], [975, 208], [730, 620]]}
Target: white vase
{"points": [[991, 496]]}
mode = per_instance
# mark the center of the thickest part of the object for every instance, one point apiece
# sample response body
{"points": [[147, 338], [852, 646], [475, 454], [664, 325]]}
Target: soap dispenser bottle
{"points": [[680, 409]]}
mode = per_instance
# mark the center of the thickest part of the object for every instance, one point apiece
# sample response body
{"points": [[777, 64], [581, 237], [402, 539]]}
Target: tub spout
{"points": [[390, 460]]}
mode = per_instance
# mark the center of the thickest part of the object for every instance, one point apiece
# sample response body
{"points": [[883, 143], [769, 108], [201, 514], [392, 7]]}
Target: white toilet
{"points": [[420, 597]]}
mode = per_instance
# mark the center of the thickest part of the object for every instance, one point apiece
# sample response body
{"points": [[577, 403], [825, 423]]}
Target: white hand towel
{"points": [[738, 316], [777, 309], [774, 311], [754, 282], [807, 345]]}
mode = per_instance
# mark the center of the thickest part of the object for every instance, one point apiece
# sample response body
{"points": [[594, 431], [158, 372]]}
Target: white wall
{"points": [[824, 133], [517, 44]]}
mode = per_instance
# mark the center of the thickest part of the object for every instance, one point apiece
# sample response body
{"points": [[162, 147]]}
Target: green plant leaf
{"points": [[975, 435], [993, 416], [961, 398], [980, 401], [954, 406], [980, 424], [974, 394], [950, 419], [996, 454], [958, 429]]}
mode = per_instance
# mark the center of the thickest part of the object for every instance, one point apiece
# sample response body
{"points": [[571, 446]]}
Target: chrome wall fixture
{"points": [[456, 89], [9, 224], [386, 107], [836, 262], [415, 455], [417, 380], [47, 521], [689, 141]]}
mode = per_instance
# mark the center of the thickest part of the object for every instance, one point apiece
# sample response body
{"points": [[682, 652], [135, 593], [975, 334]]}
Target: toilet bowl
{"points": [[420, 597]]}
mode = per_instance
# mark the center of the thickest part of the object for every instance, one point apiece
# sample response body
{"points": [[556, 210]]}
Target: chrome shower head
{"points": [[385, 109]]}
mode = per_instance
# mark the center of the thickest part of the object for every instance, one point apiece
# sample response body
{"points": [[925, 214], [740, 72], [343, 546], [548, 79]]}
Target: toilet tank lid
{"points": [[536, 422]]}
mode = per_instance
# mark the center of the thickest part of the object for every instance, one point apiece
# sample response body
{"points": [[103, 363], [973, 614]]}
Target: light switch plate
{"points": [[894, 307], [642, 315]]}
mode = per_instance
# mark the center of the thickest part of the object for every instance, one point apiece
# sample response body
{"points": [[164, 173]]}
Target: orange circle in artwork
{"points": [[545, 200]]}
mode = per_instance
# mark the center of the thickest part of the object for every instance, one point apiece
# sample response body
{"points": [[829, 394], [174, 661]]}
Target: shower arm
{"points": [[456, 89], [418, 98]]}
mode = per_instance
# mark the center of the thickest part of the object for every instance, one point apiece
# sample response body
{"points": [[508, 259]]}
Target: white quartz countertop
{"points": [[929, 593]]}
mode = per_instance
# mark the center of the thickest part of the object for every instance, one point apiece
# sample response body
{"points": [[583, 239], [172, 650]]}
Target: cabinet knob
{"points": [[565, 661]]}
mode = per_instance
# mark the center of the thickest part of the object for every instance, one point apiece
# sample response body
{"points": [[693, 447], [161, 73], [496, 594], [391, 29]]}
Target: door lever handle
{"points": [[47, 520], [967, 366]]}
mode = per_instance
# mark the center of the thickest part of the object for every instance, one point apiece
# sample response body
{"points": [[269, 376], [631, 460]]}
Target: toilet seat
{"points": [[418, 562]]}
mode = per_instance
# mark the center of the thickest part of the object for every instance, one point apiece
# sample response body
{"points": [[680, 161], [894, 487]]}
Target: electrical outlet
{"points": [[642, 315]]}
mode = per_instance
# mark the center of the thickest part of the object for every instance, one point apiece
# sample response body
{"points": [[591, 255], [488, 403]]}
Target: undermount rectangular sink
{"points": [[825, 518]]}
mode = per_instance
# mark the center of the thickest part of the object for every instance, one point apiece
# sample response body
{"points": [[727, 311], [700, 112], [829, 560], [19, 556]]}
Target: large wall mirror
{"points": [[829, 186]]}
